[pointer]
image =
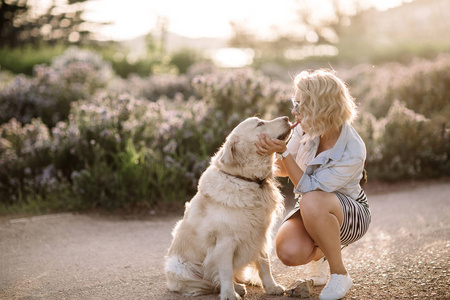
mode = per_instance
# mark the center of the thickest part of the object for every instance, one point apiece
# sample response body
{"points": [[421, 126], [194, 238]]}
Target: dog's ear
{"points": [[230, 151]]}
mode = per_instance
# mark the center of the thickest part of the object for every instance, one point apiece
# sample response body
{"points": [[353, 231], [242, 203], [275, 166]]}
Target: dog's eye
{"points": [[260, 124]]}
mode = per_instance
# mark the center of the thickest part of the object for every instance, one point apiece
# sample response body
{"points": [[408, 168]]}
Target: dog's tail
{"points": [[186, 278]]}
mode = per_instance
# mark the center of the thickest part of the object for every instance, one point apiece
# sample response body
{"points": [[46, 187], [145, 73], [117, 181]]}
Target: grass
{"points": [[23, 60], [36, 205]]}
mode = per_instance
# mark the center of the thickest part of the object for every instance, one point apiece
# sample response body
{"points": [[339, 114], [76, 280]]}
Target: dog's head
{"points": [[278, 128], [239, 148]]}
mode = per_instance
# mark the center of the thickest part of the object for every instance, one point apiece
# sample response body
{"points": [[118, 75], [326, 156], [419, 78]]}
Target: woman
{"points": [[324, 160]]}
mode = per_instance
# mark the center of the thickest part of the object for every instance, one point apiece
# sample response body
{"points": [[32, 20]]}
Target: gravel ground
{"points": [[404, 255]]}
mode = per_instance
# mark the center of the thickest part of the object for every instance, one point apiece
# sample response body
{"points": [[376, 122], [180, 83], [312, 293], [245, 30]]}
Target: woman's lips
{"points": [[294, 125]]}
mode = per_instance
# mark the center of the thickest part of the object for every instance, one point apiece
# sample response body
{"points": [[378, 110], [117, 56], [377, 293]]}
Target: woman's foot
{"points": [[337, 287], [318, 271]]}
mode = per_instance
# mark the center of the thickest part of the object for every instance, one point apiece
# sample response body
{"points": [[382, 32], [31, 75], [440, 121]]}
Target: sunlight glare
{"points": [[232, 57], [198, 18]]}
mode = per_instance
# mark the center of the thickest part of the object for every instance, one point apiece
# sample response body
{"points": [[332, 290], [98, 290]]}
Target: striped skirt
{"points": [[356, 219]]}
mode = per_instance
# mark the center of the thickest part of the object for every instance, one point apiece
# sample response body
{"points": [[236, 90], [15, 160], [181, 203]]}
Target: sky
{"points": [[196, 18]]}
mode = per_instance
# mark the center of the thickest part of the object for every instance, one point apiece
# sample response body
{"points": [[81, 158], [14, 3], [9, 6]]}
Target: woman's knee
{"points": [[294, 247], [310, 204], [290, 255]]}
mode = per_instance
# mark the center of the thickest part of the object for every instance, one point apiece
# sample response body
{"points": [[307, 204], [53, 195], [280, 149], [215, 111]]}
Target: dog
{"points": [[226, 228]]}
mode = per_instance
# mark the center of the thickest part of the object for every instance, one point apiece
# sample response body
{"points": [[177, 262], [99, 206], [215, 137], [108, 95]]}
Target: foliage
{"points": [[75, 136], [184, 58], [405, 116], [154, 87], [22, 60], [24, 160], [5, 78], [47, 95], [421, 84], [405, 145], [62, 22], [242, 93], [126, 64], [413, 146]]}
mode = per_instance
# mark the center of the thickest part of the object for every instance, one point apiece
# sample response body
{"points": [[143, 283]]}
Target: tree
{"points": [[57, 25], [242, 36], [156, 39], [314, 28], [327, 28]]}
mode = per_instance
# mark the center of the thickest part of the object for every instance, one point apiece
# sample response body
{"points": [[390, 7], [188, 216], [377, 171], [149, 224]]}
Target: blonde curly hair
{"points": [[325, 101]]}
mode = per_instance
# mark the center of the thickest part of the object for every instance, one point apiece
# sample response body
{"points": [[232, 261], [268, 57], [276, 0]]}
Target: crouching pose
{"points": [[324, 160]]}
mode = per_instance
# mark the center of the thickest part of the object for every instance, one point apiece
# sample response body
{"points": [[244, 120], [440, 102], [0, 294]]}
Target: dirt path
{"points": [[405, 254]]}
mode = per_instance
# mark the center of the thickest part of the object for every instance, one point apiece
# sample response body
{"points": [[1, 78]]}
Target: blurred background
{"points": [[107, 104]]}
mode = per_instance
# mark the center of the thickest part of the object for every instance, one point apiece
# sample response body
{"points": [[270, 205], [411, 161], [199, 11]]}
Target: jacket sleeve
{"points": [[331, 177]]}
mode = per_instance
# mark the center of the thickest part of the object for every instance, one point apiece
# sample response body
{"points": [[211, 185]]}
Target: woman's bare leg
{"points": [[322, 216], [293, 244]]}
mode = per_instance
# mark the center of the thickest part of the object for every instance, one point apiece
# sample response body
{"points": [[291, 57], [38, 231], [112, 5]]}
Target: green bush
{"points": [[76, 74], [23, 60], [422, 85], [75, 136], [24, 160], [136, 153], [153, 87], [412, 103], [243, 93], [371, 131], [425, 88], [184, 58], [5, 78], [405, 145]]}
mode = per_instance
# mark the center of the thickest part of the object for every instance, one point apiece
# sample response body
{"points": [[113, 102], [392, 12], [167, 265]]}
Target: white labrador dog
{"points": [[227, 225]]}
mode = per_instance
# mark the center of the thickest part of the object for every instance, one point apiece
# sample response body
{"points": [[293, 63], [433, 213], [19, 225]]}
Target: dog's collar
{"points": [[259, 181]]}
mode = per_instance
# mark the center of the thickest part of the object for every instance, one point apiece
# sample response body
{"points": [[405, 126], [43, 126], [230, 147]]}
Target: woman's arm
{"points": [[280, 169], [287, 166], [292, 169]]}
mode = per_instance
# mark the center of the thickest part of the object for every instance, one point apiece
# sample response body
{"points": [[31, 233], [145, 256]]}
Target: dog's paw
{"points": [[240, 289], [229, 295], [275, 290]]}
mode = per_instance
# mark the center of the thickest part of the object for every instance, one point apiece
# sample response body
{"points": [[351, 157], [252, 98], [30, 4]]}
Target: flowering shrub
{"points": [[48, 94], [405, 144], [80, 136], [243, 92], [410, 137], [113, 151], [5, 78], [82, 68], [24, 157], [371, 131], [422, 86], [425, 88], [153, 87]]}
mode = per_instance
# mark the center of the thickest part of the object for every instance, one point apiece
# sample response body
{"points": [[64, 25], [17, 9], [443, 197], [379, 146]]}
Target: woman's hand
{"points": [[266, 146]]}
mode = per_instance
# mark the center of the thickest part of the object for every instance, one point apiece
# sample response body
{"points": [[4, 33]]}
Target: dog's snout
{"points": [[286, 119]]}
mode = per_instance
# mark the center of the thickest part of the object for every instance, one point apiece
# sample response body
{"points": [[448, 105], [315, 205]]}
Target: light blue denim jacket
{"points": [[335, 170]]}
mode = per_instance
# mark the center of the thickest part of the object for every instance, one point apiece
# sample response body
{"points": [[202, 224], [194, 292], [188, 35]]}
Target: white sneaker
{"points": [[318, 271], [337, 287]]}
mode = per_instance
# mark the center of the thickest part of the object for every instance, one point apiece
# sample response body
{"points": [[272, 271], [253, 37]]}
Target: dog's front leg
{"points": [[271, 287], [223, 259]]}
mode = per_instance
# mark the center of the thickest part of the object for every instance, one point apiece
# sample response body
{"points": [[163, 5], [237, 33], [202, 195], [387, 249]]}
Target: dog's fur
{"points": [[226, 226]]}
